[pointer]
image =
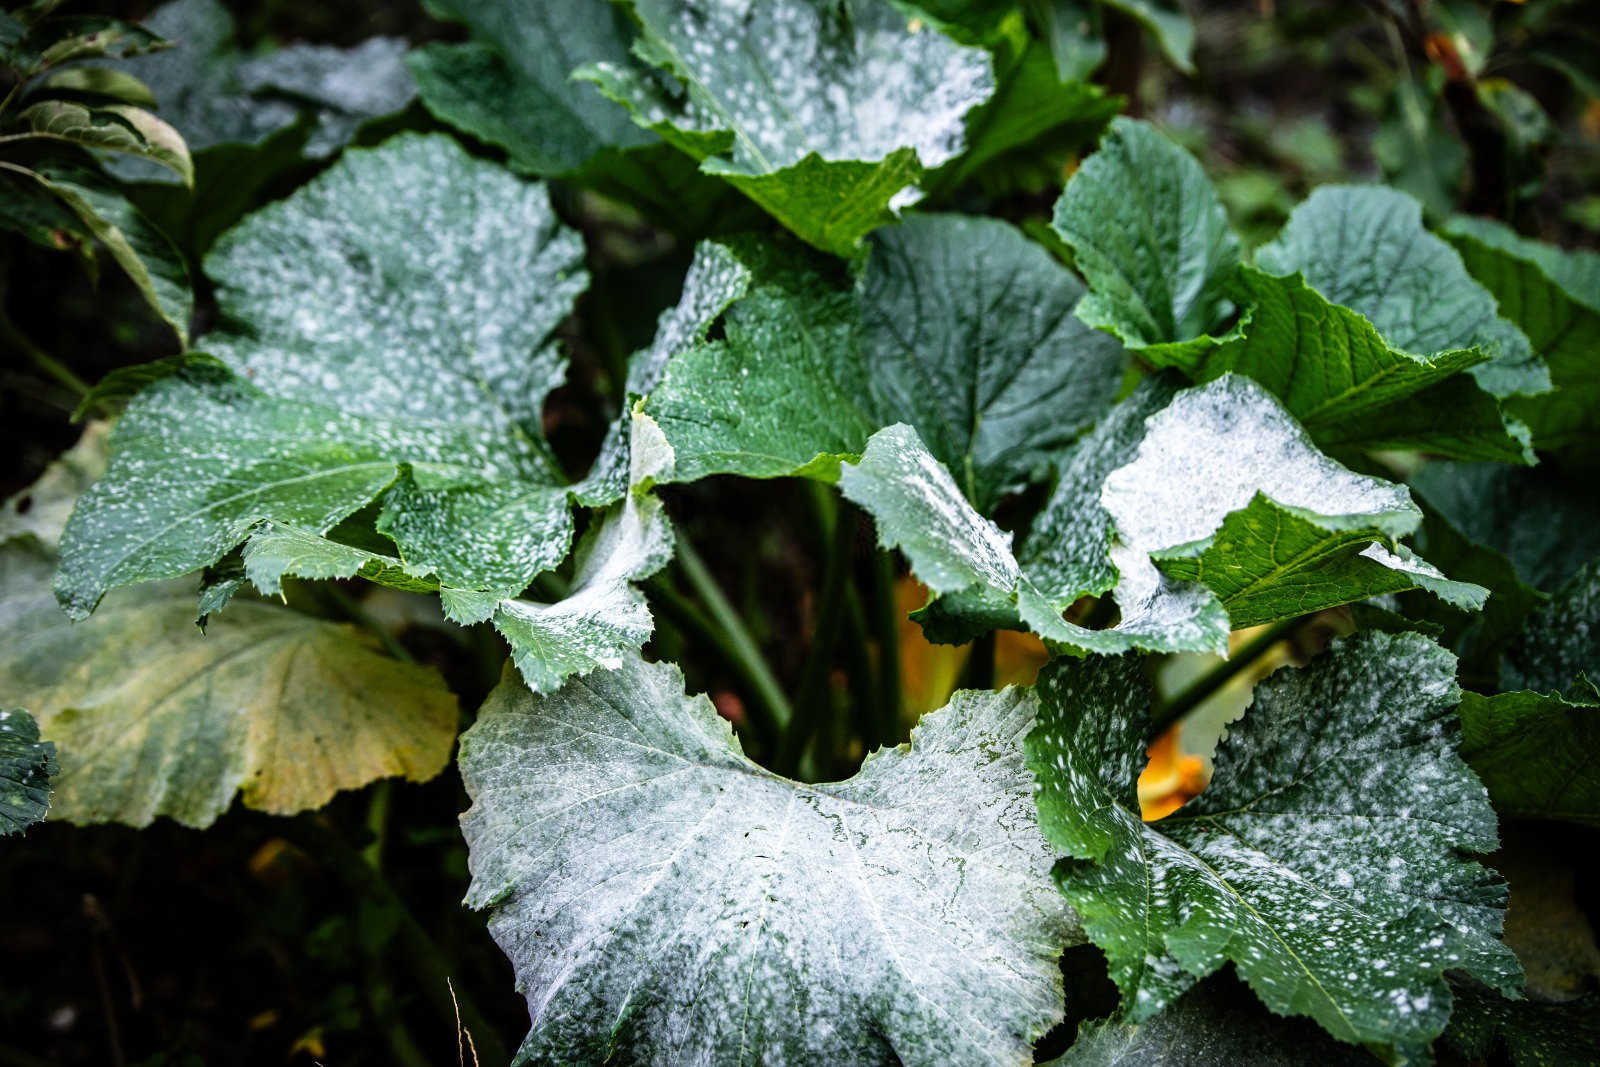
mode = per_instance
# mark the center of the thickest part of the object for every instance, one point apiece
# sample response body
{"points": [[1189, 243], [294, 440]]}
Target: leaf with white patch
{"points": [[305, 415], [823, 115], [960, 327], [1324, 860], [1204, 513], [635, 859], [26, 767]]}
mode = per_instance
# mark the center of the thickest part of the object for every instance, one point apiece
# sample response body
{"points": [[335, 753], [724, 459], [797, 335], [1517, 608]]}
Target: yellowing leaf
{"points": [[151, 717]]}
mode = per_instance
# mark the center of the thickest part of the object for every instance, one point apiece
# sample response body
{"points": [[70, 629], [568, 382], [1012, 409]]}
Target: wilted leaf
{"points": [[155, 718]]}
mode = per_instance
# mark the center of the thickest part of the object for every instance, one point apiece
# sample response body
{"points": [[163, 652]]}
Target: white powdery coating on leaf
{"points": [[791, 77], [663, 899], [1213, 449], [1339, 894], [920, 509]]}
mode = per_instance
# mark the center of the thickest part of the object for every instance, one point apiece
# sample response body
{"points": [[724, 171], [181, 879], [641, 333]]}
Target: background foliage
{"points": [[327, 936]]}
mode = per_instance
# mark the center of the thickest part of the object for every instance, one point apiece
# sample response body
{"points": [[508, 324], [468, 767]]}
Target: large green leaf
{"points": [[306, 414], [958, 326], [1360, 371], [26, 767], [1535, 752], [512, 85], [664, 899], [1323, 860], [1150, 235], [968, 334], [1346, 384], [1545, 520], [824, 115], [1365, 247], [1554, 297]]}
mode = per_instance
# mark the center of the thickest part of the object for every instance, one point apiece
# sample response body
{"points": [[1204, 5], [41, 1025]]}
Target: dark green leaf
{"points": [[1560, 648], [1535, 752], [1531, 1034], [1323, 860], [1348, 387], [1546, 521], [1216, 1024], [1554, 297], [512, 85], [1150, 236], [26, 767], [958, 326], [1365, 247]]}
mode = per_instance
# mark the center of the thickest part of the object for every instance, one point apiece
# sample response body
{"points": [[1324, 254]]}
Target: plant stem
{"points": [[979, 673], [1195, 693], [363, 618], [814, 701], [377, 824], [857, 663], [14, 338], [886, 624], [428, 964], [686, 616], [739, 642]]}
